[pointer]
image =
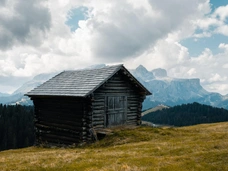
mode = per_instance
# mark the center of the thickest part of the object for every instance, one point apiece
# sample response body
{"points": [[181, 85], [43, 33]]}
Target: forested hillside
{"points": [[16, 126], [187, 114]]}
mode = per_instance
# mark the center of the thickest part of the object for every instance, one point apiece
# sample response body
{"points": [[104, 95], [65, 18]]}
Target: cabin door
{"points": [[116, 110]]}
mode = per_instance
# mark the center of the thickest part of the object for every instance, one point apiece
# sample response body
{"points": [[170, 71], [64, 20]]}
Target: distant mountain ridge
{"points": [[4, 94], [17, 97], [187, 114], [166, 90], [174, 91]]}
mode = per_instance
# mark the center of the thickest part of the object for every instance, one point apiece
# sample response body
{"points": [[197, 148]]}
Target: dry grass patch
{"points": [[201, 147]]}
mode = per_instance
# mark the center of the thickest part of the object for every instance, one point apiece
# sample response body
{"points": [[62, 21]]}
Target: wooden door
{"points": [[116, 110]]}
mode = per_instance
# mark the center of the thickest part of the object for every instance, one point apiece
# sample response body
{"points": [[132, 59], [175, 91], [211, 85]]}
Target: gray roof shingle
{"points": [[78, 83]]}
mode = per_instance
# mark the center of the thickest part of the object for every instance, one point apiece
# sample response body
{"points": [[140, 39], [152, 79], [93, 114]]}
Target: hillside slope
{"points": [[154, 109], [200, 147], [187, 114]]}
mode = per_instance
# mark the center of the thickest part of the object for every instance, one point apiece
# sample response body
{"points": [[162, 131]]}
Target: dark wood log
{"points": [[46, 124], [98, 117], [59, 139], [132, 117], [59, 114], [72, 123], [61, 118], [99, 99], [97, 103], [98, 123], [132, 114], [98, 112]]}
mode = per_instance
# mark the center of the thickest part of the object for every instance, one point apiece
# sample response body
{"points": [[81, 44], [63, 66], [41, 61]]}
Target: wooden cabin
{"points": [[71, 104]]}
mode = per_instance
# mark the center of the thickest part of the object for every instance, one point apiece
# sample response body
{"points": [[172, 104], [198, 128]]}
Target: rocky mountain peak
{"points": [[141, 68], [143, 74], [166, 90], [159, 72]]}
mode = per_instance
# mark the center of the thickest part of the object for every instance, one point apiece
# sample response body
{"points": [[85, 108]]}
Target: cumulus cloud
{"points": [[221, 13], [216, 77], [191, 71], [22, 22], [35, 37], [214, 22], [124, 30], [223, 46]]}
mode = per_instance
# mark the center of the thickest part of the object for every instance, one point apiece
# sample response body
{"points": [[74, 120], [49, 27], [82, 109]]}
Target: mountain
{"points": [[10, 98], [166, 90], [174, 91], [4, 94], [142, 74], [17, 97]]}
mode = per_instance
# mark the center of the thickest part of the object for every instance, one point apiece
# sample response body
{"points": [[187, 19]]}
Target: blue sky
{"points": [[75, 15], [218, 3], [196, 47]]}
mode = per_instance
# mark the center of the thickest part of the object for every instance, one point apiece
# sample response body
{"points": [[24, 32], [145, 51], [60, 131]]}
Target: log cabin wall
{"points": [[69, 105], [118, 85], [62, 120]]}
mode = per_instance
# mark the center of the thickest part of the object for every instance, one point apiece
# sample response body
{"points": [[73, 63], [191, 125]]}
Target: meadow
{"points": [[200, 147]]}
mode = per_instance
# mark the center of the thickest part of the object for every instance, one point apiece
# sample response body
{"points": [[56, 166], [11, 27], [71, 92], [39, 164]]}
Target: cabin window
{"points": [[115, 102]]}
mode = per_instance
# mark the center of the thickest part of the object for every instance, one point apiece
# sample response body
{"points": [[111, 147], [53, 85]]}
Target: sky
{"points": [[187, 38]]}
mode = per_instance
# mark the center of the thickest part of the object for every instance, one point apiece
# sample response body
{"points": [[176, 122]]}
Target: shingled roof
{"points": [[80, 83]]}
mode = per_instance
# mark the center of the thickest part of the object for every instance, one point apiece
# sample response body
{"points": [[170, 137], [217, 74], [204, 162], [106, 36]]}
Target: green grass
{"points": [[200, 147]]}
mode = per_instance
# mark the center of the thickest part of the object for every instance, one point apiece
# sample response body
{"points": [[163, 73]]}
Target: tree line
{"points": [[16, 126], [187, 114]]}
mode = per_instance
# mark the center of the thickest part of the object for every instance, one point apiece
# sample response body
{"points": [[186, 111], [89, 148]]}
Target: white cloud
{"points": [[136, 32], [206, 22], [23, 23], [136, 28], [191, 71], [223, 46], [215, 22], [222, 30], [216, 77], [225, 65], [217, 87], [221, 13]]}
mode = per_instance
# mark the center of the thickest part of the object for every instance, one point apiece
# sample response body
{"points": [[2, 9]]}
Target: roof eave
{"points": [[42, 95]]}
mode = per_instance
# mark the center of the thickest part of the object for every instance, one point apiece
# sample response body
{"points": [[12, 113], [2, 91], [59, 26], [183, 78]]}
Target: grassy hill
{"points": [[187, 114], [159, 107], [200, 147]]}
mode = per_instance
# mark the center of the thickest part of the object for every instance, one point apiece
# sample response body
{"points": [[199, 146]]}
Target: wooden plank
{"points": [[43, 124], [60, 139], [78, 123], [60, 117], [98, 123], [132, 117], [62, 133]]}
